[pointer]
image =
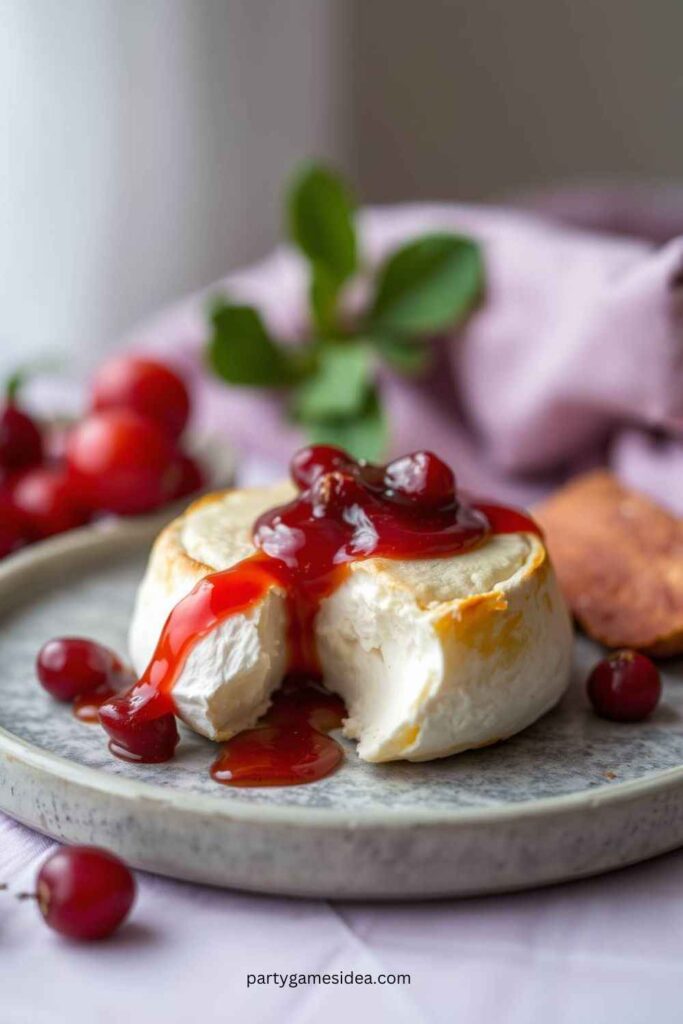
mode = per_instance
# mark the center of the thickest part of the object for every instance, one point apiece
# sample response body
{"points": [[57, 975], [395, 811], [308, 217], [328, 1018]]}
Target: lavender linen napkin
{"points": [[574, 359]]}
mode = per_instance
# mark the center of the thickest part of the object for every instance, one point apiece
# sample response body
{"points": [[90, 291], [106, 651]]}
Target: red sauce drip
{"points": [[507, 520], [86, 708], [289, 746], [345, 512]]}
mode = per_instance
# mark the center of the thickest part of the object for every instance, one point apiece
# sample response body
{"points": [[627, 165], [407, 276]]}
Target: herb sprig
{"points": [[423, 288]]}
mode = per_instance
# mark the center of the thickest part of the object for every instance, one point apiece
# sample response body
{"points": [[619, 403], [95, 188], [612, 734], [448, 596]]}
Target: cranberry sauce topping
{"points": [[86, 708], [289, 745], [345, 511]]}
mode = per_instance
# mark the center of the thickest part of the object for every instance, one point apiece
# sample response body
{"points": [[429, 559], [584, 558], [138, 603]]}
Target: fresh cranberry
{"points": [[21, 443], [134, 738], [14, 530], [624, 687], [190, 478], [84, 892], [420, 479], [69, 666], [145, 386], [48, 499], [310, 463], [122, 461]]}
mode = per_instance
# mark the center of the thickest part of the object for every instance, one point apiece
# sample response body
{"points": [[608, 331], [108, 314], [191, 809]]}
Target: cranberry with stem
{"points": [[85, 892], [624, 687], [70, 666], [21, 442]]}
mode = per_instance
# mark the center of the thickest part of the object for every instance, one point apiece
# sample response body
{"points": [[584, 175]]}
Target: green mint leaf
{"points": [[428, 285], [402, 354], [323, 298], [364, 435], [320, 215], [242, 352], [338, 386]]}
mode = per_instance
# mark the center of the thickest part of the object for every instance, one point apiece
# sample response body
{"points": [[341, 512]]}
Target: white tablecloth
{"points": [[605, 950]]}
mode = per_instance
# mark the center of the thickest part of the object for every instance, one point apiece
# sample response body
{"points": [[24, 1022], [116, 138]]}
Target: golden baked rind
{"points": [[619, 560], [432, 656]]}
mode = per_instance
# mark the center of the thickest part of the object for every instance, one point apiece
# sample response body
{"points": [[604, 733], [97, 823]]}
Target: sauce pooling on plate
{"points": [[345, 511], [289, 745]]}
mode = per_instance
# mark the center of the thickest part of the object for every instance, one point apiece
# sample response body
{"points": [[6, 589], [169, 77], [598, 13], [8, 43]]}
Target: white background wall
{"points": [[144, 143]]}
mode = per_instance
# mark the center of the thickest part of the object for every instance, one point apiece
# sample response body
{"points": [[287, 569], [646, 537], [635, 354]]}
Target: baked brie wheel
{"points": [[431, 656]]}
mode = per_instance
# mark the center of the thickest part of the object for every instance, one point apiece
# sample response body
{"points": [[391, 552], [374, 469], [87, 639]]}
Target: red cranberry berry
{"points": [[420, 479], [624, 687], [134, 738], [14, 530], [310, 463], [145, 386], [70, 666], [190, 478], [48, 499], [21, 443], [122, 461], [84, 892]]}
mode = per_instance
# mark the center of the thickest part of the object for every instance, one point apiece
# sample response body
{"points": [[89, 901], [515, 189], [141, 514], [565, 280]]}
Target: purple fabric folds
{"points": [[575, 357]]}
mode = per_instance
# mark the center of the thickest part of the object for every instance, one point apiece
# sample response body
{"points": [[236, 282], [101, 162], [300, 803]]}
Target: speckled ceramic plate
{"points": [[571, 796]]}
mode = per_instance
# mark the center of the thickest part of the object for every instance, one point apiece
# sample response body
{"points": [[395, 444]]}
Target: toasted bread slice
{"points": [[619, 559]]}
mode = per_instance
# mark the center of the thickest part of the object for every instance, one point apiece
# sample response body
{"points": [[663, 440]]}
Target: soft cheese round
{"points": [[432, 656]]}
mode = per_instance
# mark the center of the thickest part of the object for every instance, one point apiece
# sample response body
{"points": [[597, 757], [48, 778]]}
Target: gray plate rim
{"points": [[103, 539]]}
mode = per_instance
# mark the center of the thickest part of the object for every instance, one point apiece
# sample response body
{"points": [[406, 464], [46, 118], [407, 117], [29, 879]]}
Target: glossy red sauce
{"points": [[86, 708], [344, 512], [289, 745]]}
